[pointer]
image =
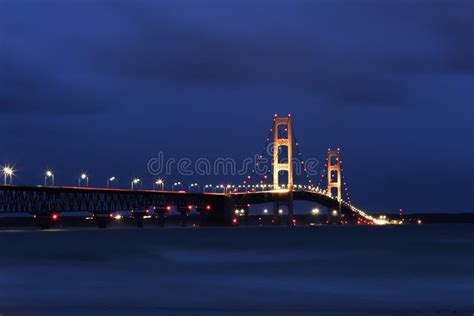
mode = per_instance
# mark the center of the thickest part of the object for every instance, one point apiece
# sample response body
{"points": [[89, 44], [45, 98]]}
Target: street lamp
{"points": [[315, 211], [111, 179], [177, 184], [8, 172], [161, 183], [194, 185], [84, 177], [48, 174], [134, 181]]}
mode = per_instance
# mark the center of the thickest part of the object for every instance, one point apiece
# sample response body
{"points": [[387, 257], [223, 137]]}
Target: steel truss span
{"points": [[30, 199]]}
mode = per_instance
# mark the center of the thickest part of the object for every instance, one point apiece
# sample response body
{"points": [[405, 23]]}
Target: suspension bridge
{"points": [[215, 208]]}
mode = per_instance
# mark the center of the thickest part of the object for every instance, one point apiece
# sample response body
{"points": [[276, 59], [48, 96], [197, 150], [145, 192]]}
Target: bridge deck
{"points": [[40, 198]]}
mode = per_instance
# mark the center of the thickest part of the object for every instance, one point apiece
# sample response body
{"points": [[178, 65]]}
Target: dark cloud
{"points": [[358, 52], [24, 91], [305, 46], [388, 42], [39, 70]]}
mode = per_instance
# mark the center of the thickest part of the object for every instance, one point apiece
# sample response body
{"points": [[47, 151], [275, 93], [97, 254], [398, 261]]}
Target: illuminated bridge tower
{"points": [[285, 141], [334, 173], [283, 138]]}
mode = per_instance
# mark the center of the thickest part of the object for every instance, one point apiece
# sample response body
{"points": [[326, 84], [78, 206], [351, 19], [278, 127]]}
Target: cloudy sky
{"points": [[102, 86]]}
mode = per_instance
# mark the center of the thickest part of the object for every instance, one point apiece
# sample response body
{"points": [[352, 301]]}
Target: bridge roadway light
{"points": [[111, 179], [8, 172], [83, 177], [134, 182], [177, 184], [334, 213], [193, 185], [48, 174], [159, 182], [315, 211]]}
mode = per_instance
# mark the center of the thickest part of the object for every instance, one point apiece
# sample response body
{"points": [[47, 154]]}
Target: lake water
{"points": [[363, 270]]}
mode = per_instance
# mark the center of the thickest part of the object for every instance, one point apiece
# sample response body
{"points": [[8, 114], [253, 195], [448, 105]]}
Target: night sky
{"points": [[103, 86]]}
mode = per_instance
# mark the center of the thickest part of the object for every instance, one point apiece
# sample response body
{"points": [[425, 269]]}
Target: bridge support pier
{"points": [[291, 213], [276, 213], [202, 216], [161, 210], [335, 215], [45, 220], [161, 218], [183, 210], [246, 209], [203, 210], [102, 219], [139, 218]]}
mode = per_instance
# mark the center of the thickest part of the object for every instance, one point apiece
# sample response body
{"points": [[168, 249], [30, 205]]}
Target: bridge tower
{"points": [[278, 142], [286, 165], [334, 166]]}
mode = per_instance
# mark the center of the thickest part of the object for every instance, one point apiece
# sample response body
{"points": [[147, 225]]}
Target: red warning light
{"points": [[168, 208], [235, 221], [208, 207], [54, 217], [190, 207]]}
